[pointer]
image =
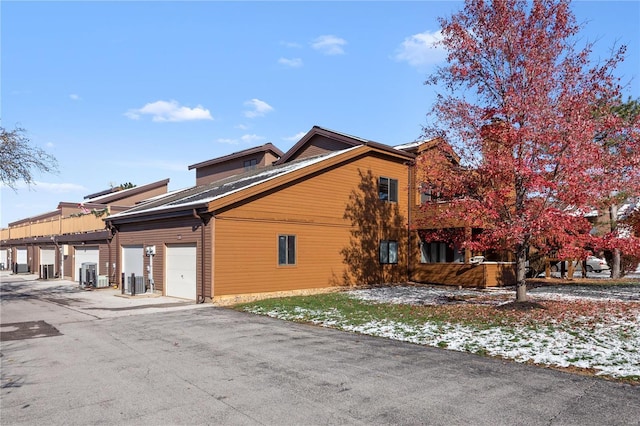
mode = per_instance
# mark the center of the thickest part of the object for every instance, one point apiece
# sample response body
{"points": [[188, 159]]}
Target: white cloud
{"points": [[56, 188], [50, 145], [329, 44], [227, 141], [241, 126], [251, 138], [60, 187], [420, 50], [295, 138], [260, 108], [161, 111], [74, 97], [293, 62], [248, 138]]}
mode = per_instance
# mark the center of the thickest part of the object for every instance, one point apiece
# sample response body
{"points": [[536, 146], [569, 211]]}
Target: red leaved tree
{"points": [[523, 107]]}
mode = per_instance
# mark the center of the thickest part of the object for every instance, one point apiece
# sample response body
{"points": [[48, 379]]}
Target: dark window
{"points": [[439, 252], [388, 189], [428, 193], [286, 250], [388, 251], [425, 193], [250, 165]]}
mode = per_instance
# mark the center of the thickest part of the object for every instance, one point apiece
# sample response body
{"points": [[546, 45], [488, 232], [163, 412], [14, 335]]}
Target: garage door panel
{"points": [[180, 271], [21, 256], [47, 256], [133, 260], [85, 254]]}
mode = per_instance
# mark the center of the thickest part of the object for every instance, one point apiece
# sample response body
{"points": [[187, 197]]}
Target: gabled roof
{"points": [[347, 140], [220, 194], [111, 197], [440, 144], [268, 147]]}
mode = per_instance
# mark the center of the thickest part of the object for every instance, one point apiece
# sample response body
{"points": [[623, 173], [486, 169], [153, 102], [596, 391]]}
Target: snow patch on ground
{"points": [[611, 347]]}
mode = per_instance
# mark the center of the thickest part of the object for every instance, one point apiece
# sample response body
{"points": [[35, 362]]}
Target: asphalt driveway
{"points": [[179, 363]]}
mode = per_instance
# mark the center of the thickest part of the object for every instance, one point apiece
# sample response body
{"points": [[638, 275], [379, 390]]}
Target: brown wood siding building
{"points": [[313, 210], [237, 248], [318, 146], [69, 227], [233, 164], [162, 233]]}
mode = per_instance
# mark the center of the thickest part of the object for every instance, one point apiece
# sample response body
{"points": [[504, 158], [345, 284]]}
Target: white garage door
{"points": [[3, 259], [85, 254], [47, 256], [21, 256], [133, 261], [180, 271]]}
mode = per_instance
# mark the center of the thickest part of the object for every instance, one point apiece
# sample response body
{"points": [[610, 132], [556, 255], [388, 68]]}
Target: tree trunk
{"points": [[617, 260], [521, 263]]}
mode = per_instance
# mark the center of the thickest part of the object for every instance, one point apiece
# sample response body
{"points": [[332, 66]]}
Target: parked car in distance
{"points": [[594, 264]]}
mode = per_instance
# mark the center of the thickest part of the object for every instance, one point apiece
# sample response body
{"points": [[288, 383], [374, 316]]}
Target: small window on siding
{"points": [[388, 189], [388, 252], [428, 193], [286, 249], [250, 164]]}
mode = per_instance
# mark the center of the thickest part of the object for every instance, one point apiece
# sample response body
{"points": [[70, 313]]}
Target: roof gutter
{"points": [[178, 211]]}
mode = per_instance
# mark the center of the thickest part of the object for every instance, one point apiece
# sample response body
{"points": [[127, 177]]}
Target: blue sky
{"points": [[137, 91]]}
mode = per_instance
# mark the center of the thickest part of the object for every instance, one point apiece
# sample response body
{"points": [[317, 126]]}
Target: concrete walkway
{"points": [[197, 364]]}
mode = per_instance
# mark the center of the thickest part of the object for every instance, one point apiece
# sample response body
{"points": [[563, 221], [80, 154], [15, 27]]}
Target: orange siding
{"points": [[424, 214], [500, 274], [246, 236], [457, 274], [465, 275]]}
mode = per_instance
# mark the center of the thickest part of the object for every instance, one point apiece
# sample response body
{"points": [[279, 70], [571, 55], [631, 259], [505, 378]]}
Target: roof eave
{"points": [[169, 213], [233, 198]]}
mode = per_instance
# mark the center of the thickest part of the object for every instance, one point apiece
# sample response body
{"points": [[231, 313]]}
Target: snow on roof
{"points": [[199, 195], [413, 144], [408, 145]]}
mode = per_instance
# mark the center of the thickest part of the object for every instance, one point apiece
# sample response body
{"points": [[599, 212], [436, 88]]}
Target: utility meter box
{"points": [[151, 250]]}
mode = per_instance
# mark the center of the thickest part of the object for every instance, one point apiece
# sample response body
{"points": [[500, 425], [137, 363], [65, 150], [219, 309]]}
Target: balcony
{"points": [[56, 226]]}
